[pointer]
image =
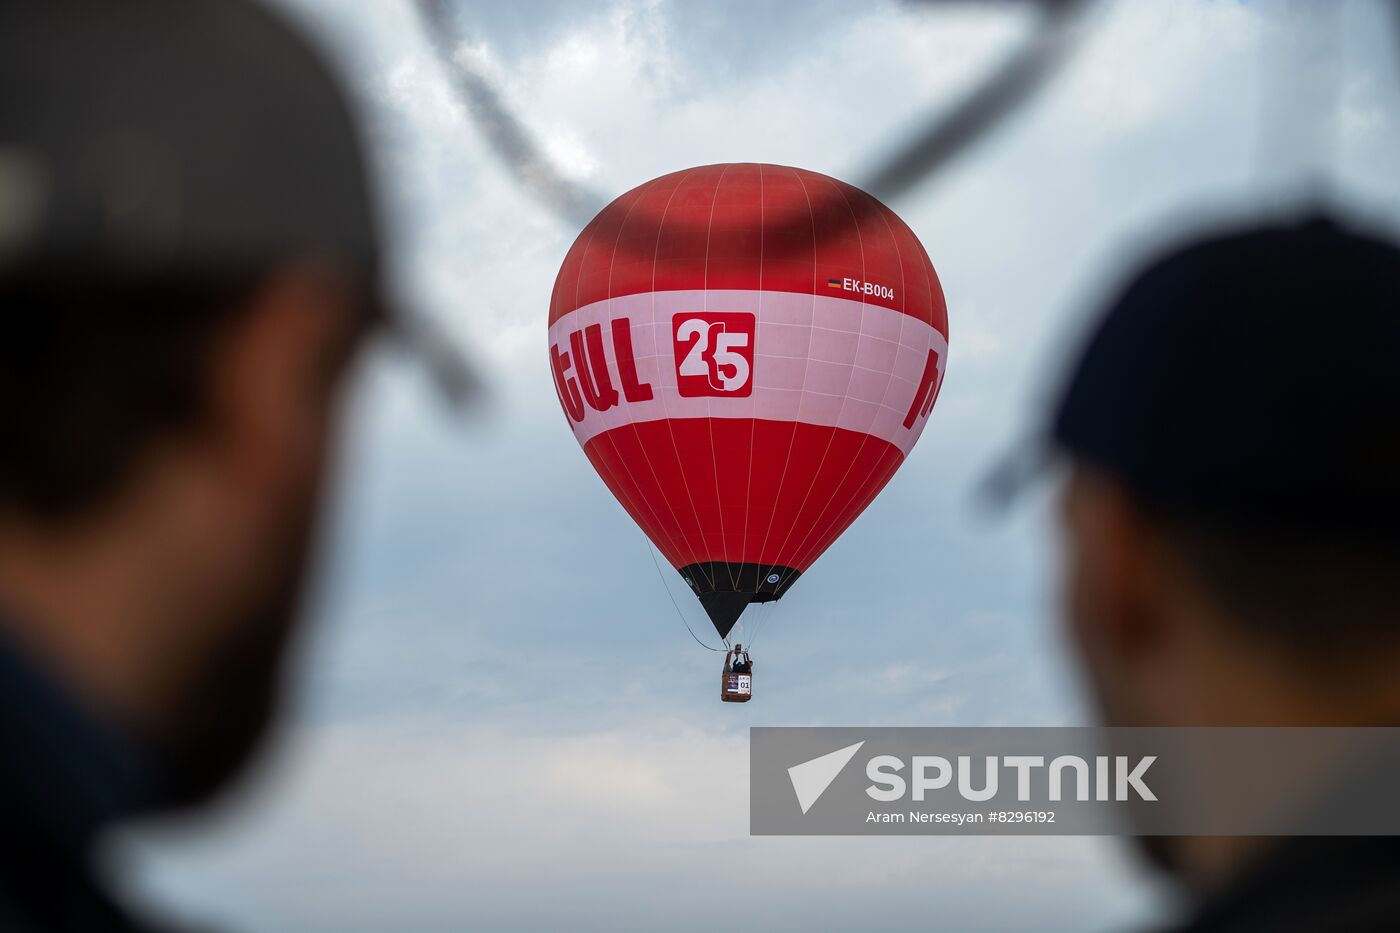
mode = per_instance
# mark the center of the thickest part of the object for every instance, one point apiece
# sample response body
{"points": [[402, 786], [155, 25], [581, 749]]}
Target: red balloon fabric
{"points": [[746, 354]]}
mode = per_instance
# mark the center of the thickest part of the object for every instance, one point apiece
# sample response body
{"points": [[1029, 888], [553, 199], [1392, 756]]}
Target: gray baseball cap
{"points": [[148, 136]]}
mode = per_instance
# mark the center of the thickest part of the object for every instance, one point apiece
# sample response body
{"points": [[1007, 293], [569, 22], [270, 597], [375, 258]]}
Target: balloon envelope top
{"points": [[746, 354]]}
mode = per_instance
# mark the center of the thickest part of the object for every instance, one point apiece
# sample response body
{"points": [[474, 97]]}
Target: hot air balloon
{"points": [[746, 354]]}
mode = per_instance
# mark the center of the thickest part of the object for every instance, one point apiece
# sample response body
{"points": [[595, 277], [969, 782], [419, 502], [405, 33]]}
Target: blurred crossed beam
{"points": [[507, 136], [946, 133]]}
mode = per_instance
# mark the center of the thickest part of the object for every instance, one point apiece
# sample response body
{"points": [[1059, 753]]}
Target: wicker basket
{"points": [[735, 688]]}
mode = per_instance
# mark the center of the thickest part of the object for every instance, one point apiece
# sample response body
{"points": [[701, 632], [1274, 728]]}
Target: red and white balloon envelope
{"points": [[746, 353]]}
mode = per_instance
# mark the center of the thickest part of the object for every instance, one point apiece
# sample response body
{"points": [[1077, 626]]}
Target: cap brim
{"points": [[1015, 471], [457, 381]]}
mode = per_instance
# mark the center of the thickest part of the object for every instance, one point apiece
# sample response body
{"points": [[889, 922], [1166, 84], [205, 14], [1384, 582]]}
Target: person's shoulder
{"points": [[47, 886], [1313, 884], [53, 903]]}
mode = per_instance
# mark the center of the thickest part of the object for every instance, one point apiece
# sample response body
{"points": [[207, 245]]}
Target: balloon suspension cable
{"points": [[762, 614], [677, 606]]}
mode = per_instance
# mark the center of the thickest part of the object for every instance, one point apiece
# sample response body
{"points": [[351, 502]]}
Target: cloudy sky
{"points": [[501, 723]]}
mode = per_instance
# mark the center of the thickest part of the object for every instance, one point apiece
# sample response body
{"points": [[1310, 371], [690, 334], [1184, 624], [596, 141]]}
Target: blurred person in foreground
{"points": [[188, 263], [1232, 522]]}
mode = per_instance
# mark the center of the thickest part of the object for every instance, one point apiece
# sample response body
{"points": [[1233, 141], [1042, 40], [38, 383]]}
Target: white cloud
{"points": [[400, 823]]}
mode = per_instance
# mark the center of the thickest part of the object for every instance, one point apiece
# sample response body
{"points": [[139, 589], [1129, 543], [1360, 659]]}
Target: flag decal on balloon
{"points": [[741, 410]]}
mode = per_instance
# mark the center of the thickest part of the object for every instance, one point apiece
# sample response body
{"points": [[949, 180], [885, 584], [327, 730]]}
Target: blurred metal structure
{"points": [[507, 135], [945, 134], [458, 383], [951, 132]]}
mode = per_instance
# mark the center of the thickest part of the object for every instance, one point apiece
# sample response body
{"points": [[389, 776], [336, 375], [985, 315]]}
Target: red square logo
{"points": [[714, 353]]}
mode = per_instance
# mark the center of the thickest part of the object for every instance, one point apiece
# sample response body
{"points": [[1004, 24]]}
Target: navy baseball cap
{"points": [[153, 137], [1250, 377]]}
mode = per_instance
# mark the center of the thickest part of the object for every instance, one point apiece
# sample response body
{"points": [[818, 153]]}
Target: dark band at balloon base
{"points": [[726, 588]]}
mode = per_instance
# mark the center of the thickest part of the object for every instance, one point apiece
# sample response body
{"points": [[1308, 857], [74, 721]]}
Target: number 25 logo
{"points": [[714, 353]]}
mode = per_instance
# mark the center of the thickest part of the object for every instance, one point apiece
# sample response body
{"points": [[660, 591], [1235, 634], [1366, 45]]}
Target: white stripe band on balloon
{"points": [[818, 359]]}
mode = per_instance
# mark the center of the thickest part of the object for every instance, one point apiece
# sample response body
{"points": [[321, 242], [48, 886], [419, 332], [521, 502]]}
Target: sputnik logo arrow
{"points": [[811, 778]]}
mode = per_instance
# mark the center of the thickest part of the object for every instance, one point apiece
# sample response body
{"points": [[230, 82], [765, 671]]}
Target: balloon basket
{"points": [[735, 688]]}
